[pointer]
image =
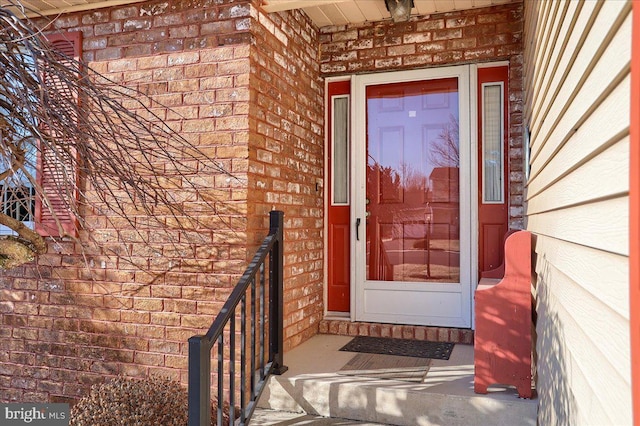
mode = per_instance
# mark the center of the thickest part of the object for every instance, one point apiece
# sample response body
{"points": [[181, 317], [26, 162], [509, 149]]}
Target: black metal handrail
{"points": [[259, 366]]}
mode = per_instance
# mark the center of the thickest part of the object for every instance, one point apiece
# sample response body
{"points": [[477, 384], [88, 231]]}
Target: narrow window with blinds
{"points": [[492, 143], [340, 138]]}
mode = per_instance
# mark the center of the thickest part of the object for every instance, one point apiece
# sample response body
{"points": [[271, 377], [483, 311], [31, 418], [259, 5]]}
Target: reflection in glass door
{"points": [[412, 182]]}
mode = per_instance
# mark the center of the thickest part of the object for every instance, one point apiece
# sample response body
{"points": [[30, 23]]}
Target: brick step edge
{"points": [[410, 332]]}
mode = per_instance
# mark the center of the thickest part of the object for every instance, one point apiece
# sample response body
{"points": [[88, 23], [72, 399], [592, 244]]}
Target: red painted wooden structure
{"points": [[56, 220], [503, 320]]}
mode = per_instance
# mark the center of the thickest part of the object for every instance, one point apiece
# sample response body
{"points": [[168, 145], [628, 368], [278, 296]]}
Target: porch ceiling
{"points": [[342, 12], [322, 12]]}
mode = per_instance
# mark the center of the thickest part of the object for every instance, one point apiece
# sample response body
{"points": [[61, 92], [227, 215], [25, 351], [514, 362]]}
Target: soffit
{"points": [[322, 12], [343, 12]]}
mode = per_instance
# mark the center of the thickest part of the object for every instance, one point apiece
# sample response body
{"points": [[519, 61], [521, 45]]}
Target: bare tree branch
{"points": [[445, 151], [104, 145]]}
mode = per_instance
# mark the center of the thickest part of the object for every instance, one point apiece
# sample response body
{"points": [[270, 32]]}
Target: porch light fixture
{"points": [[400, 10]]}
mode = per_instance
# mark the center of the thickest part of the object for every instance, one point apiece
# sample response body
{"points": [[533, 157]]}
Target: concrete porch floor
{"points": [[444, 397]]}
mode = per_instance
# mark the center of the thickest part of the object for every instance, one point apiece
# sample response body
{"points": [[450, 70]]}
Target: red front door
{"points": [[413, 165], [404, 225]]}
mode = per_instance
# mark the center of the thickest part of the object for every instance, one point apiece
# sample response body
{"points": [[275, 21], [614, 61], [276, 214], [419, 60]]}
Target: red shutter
{"points": [[57, 173]]}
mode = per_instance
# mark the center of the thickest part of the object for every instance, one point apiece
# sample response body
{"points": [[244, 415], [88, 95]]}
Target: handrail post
{"points": [[276, 303], [199, 382]]}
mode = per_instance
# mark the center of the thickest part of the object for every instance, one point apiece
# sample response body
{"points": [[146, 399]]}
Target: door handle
{"points": [[357, 229]]}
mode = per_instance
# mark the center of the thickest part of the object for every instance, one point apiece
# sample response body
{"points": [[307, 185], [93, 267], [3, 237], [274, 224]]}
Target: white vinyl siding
{"points": [[577, 85]]}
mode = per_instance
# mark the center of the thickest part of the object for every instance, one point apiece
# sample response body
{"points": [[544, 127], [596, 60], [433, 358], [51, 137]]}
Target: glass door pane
{"points": [[412, 182]]}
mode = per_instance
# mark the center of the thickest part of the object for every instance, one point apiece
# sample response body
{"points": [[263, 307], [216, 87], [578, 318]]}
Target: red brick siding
{"points": [[67, 325], [71, 321], [286, 157], [258, 111], [149, 28], [248, 89], [470, 36], [396, 331]]}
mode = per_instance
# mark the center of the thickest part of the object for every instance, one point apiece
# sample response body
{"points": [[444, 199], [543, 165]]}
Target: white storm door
{"points": [[412, 193]]}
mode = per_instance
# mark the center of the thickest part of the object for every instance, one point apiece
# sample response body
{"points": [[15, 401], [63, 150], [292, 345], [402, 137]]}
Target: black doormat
{"points": [[399, 347]]}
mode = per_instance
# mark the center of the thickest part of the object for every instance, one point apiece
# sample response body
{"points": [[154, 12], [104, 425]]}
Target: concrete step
{"points": [[265, 417], [444, 397]]}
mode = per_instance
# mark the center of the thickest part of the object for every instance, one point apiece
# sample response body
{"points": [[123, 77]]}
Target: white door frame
{"points": [[467, 83]]}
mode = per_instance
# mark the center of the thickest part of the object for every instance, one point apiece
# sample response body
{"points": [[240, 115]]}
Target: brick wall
{"points": [[150, 28], [470, 36], [247, 88], [287, 158], [128, 304]]}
